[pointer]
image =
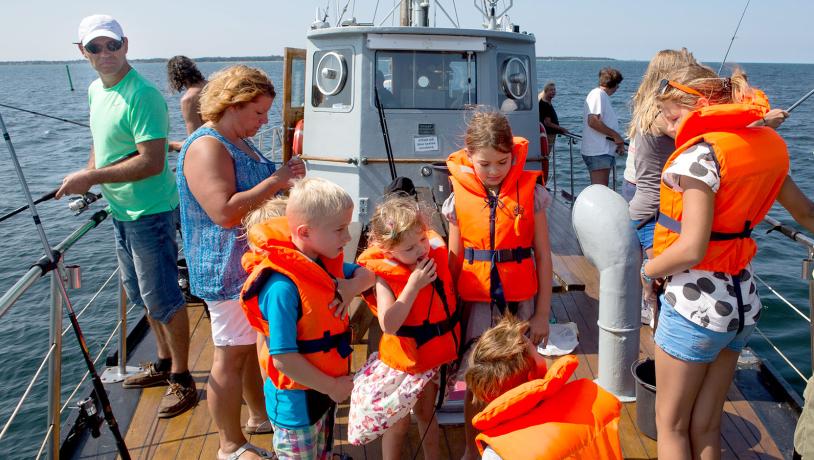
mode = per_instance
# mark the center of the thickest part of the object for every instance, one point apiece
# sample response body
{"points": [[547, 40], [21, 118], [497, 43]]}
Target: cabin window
{"points": [[515, 83], [332, 79], [425, 80]]}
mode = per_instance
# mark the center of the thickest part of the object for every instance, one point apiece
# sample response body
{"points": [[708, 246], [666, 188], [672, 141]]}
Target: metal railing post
{"points": [[808, 275], [554, 164], [55, 367], [614, 175], [571, 171], [122, 329], [122, 370]]}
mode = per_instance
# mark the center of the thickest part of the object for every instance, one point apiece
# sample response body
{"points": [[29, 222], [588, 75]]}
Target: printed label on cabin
{"points": [[426, 143]]}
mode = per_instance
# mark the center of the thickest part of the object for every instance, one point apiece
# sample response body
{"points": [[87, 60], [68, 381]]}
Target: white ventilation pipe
{"points": [[608, 240]]}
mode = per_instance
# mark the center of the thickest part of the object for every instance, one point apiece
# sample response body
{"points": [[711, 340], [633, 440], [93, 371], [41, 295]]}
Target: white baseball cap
{"points": [[99, 25]]}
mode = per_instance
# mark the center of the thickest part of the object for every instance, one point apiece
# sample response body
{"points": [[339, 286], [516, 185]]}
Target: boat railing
{"points": [[572, 140], [53, 357], [807, 274], [273, 136]]}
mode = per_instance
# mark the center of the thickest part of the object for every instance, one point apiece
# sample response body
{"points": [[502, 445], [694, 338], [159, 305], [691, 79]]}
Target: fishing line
{"points": [[54, 259], [733, 37], [47, 116]]}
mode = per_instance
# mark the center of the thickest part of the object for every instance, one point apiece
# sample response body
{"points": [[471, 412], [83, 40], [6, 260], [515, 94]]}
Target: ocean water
{"points": [[49, 149]]}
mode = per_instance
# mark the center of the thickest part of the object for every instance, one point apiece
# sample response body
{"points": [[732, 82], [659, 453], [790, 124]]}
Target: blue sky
{"points": [[772, 31]]}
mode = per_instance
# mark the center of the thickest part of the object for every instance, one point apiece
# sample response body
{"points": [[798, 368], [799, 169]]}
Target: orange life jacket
{"points": [[322, 339], [495, 230], [548, 418], [430, 335], [752, 165]]}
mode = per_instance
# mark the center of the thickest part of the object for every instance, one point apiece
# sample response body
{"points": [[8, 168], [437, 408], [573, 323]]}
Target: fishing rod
{"points": [[45, 115], [39, 200], [733, 37], [385, 134], [800, 101], [54, 259]]}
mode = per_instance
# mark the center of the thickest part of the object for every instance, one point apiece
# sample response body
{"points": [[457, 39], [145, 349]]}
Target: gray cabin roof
{"points": [[359, 30]]}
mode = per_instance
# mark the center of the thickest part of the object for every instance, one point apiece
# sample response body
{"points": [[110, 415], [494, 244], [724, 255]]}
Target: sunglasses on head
{"points": [[668, 83], [112, 46]]}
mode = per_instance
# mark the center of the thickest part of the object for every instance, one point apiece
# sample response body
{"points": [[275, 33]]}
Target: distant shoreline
{"points": [[270, 59]]}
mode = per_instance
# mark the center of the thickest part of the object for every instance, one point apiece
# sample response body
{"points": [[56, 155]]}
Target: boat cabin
{"points": [[424, 79]]}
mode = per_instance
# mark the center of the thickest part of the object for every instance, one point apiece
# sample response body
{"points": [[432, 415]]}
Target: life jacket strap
{"points": [[339, 342], [675, 226], [498, 255], [427, 331]]}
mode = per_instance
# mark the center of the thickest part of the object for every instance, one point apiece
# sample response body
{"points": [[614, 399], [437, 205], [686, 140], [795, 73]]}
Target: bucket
{"points": [[644, 371], [441, 186]]}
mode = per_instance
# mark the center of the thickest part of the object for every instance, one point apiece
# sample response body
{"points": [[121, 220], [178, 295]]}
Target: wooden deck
{"points": [[193, 435]]}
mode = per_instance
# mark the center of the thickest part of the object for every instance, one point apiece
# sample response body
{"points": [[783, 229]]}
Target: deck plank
{"points": [[194, 435]]}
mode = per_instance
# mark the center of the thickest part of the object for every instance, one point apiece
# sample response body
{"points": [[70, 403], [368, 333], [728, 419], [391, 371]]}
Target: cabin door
{"points": [[293, 95]]}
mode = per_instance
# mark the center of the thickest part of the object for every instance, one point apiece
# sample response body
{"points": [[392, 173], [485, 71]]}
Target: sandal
{"points": [[263, 428], [248, 447]]}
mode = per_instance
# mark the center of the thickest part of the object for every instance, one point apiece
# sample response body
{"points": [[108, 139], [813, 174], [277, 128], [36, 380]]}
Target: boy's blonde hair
{"points": [[312, 199], [273, 207], [394, 217], [500, 360]]}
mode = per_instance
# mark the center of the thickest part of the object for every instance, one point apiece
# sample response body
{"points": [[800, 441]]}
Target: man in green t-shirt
{"points": [[128, 159]]}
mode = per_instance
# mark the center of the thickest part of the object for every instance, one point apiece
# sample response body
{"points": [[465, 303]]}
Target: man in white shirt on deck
{"points": [[600, 123]]}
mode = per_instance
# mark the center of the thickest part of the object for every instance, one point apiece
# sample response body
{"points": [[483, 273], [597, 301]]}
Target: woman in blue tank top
{"points": [[221, 177]]}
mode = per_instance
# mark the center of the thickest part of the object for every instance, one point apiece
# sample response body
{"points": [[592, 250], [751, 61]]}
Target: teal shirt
{"points": [[129, 113]]}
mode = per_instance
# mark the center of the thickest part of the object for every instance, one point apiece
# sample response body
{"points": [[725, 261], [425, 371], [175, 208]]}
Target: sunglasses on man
{"points": [[112, 46], [670, 83]]}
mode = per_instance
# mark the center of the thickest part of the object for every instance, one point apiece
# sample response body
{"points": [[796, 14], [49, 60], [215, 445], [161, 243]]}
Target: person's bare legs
{"points": [[471, 408], [705, 425], [161, 342], [224, 395], [678, 384], [600, 176], [424, 411], [253, 390], [393, 439], [176, 335]]}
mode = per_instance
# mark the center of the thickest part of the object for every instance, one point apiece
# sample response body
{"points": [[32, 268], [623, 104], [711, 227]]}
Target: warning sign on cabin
{"points": [[426, 143]]}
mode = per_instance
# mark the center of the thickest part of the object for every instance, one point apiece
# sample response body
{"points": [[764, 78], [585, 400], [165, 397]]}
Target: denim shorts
{"points": [[645, 232], [682, 339], [597, 162], [148, 267]]}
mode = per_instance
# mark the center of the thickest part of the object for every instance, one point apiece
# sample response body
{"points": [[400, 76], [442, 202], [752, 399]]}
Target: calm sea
{"points": [[48, 149]]}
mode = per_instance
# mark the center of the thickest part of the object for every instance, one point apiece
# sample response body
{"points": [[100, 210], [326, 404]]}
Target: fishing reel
{"points": [[89, 417], [80, 204]]}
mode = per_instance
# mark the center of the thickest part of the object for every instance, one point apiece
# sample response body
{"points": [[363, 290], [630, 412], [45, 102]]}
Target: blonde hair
{"points": [[273, 207], [488, 129], [312, 199], [394, 218], [716, 90], [233, 86], [645, 111], [500, 360]]}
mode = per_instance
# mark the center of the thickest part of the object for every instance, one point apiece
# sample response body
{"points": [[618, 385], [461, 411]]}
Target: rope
{"points": [[26, 392], [777, 350], [783, 299], [45, 440]]}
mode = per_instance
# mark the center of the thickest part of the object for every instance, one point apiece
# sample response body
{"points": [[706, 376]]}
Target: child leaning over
{"points": [[499, 252], [415, 306], [296, 296], [533, 412]]}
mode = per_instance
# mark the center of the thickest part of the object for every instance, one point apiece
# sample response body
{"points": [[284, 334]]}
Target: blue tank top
{"points": [[213, 253]]}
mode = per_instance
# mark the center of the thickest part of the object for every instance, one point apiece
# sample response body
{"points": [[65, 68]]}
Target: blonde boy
{"points": [[298, 295]]}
